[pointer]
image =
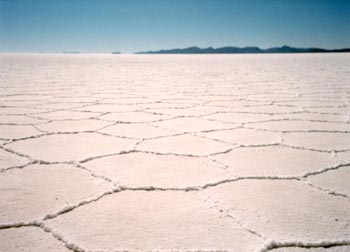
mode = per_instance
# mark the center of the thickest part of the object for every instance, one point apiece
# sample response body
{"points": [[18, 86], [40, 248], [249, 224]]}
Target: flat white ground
{"points": [[240, 153]]}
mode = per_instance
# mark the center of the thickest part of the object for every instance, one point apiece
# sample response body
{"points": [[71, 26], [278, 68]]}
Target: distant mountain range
{"points": [[241, 50]]}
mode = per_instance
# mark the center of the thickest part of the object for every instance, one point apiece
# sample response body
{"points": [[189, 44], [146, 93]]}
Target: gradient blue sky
{"points": [[135, 25]]}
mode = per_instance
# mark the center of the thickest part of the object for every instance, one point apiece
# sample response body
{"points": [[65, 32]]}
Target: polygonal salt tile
{"points": [[183, 144], [69, 147], [102, 108], [182, 100], [314, 116], [337, 248], [142, 170], [212, 109], [319, 140], [74, 99], [37, 190], [60, 105], [153, 221], [284, 210], [138, 131], [193, 125], [295, 125], [73, 126], [8, 159], [334, 180], [267, 109], [331, 110], [177, 112], [275, 161], [133, 117], [243, 136], [29, 239], [26, 97], [232, 103], [20, 110], [18, 131], [165, 105], [67, 115], [19, 119], [23, 103], [239, 117]]}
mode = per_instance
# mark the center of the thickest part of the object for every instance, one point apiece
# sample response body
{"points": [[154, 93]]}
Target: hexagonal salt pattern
{"points": [[166, 171], [309, 216], [243, 136], [326, 141], [153, 221], [183, 145], [33, 192], [272, 161], [247, 153], [71, 147]]}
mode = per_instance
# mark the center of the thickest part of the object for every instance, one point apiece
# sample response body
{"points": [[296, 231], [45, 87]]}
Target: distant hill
{"points": [[241, 50]]}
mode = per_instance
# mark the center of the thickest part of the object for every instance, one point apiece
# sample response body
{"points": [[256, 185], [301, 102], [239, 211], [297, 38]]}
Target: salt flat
{"points": [[240, 153]]}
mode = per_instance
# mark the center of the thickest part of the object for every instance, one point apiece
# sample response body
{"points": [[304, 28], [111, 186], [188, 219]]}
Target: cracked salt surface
{"points": [[37, 190], [71, 147], [152, 221], [175, 153], [29, 239], [158, 170]]}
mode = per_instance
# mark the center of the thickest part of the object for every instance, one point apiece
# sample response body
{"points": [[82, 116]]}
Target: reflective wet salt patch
{"points": [[28, 239], [137, 131], [151, 170], [183, 145], [71, 147], [310, 215], [271, 161], [153, 221], [35, 191]]}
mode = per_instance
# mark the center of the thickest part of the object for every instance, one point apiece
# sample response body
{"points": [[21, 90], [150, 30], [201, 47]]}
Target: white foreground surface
{"points": [[240, 153]]}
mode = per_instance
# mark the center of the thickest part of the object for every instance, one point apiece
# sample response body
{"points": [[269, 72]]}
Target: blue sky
{"points": [[136, 25]]}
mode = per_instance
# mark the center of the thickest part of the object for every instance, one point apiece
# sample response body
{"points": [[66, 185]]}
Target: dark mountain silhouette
{"points": [[231, 49]]}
